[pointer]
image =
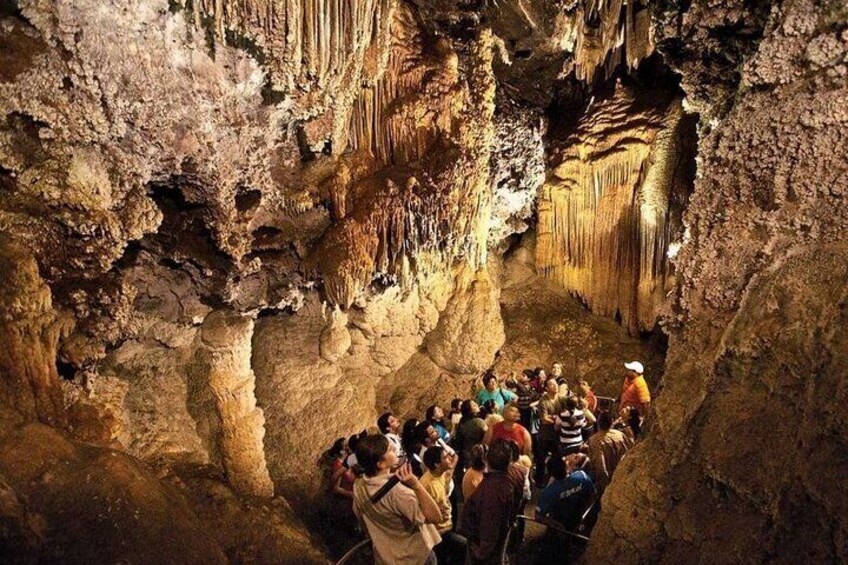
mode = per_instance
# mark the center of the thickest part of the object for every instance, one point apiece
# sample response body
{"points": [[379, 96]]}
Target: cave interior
{"points": [[233, 231]]}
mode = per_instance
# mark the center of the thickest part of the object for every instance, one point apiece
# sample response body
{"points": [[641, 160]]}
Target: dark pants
{"points": [[451, 550], [541, 450]]}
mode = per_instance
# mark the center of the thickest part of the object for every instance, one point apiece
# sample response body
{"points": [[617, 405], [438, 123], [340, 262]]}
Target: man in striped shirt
{"points": [[570, 424]]}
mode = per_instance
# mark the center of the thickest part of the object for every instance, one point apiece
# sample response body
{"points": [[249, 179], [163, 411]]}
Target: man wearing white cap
{"points": [[635, 390]]}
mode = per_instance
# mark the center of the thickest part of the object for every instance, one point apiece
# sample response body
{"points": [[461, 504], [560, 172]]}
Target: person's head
{"points": [[499, 456], [571, 403], [511, 413], [456, 404], [514, 452], [551, 386], [352, 442], [425, 433], [435, 459], [583, 389], [388, 423], [634, 369], [604, 421], [575, 462], [489, 407], [469, 409], [556, 370], [556, 468], [434, 414], [490, 381], [375, 455], [337, 448], [624, 413], [407, 435], [477, 456]]}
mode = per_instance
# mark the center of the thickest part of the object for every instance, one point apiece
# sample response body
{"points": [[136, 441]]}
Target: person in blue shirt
{"points": [[569, 493], [436, 417], [494, 393]]}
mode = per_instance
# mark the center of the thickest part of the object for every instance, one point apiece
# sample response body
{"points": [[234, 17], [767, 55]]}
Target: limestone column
{"points": [[29, 333], [224, 356]]}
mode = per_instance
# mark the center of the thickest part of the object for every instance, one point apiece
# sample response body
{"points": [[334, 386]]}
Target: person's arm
{"points": [[590, 418], [337, 483], [543, 414], [432, 514], [528, 443]]}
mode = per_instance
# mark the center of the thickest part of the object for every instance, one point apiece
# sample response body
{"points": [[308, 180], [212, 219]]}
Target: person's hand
{"points": [[406, 475], [452, 460]]}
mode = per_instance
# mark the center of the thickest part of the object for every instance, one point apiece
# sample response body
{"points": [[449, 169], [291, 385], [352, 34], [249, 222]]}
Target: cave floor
{"points": [[544, 324]]}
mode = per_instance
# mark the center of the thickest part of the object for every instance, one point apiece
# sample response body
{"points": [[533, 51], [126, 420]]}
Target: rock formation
{"points": [[745, 465], [232, 231]]}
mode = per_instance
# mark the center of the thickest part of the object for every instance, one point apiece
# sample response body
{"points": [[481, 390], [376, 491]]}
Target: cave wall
{"points": [[221, 218], [746, 459]]}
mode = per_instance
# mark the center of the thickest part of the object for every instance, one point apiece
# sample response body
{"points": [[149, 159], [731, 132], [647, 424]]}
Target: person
{"points": [[412, 446], [587, 396], [492, 391], [489, 511], [455, 415], [489, 413], [634, 391], [526, 402], [476, 468], [630, 423], [570, 424], [605, 450], [471, 430], [341, 491], [427, 436], [328, 460], [550, 405], [339, 482], [537, 379], [389, 425], [511, 430], [401, 524], [438, 482], [435, 416], [352, 441], [558, 374], [569, 493]]}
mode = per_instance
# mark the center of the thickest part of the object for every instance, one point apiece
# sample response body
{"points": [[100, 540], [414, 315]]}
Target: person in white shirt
{"points": [[389, 426]]}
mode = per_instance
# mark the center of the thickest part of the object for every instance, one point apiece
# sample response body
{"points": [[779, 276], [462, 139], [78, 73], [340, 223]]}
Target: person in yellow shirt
{"points": [[438, 482], [635, 391]]}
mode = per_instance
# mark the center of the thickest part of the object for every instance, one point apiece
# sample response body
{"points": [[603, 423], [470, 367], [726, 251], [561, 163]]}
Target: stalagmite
{"points": [[29, 332], [604, 217], [222, 361]]}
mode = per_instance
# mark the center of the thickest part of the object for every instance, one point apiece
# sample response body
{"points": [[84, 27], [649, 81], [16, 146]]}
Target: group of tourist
{"points": [[404, 484]]}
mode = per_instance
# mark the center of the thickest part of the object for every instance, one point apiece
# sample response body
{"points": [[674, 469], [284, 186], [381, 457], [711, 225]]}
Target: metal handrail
{"points": [[552, 525], [353, 551]]}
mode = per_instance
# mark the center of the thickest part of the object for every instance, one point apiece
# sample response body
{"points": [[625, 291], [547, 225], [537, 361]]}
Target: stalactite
{"points": [[308, 42], [610, 32], [441, 127], [604, 212]]}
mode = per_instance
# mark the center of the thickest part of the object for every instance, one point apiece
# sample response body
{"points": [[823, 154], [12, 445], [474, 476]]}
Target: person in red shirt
{"points": [[587, 395], [511, 430]]}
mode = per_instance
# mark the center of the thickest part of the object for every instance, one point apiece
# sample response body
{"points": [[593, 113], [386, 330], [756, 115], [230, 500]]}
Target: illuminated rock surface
{"points": [[232, 231]]}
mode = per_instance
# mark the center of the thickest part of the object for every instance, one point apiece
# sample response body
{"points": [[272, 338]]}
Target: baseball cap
{"points": [[635, 366]]}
